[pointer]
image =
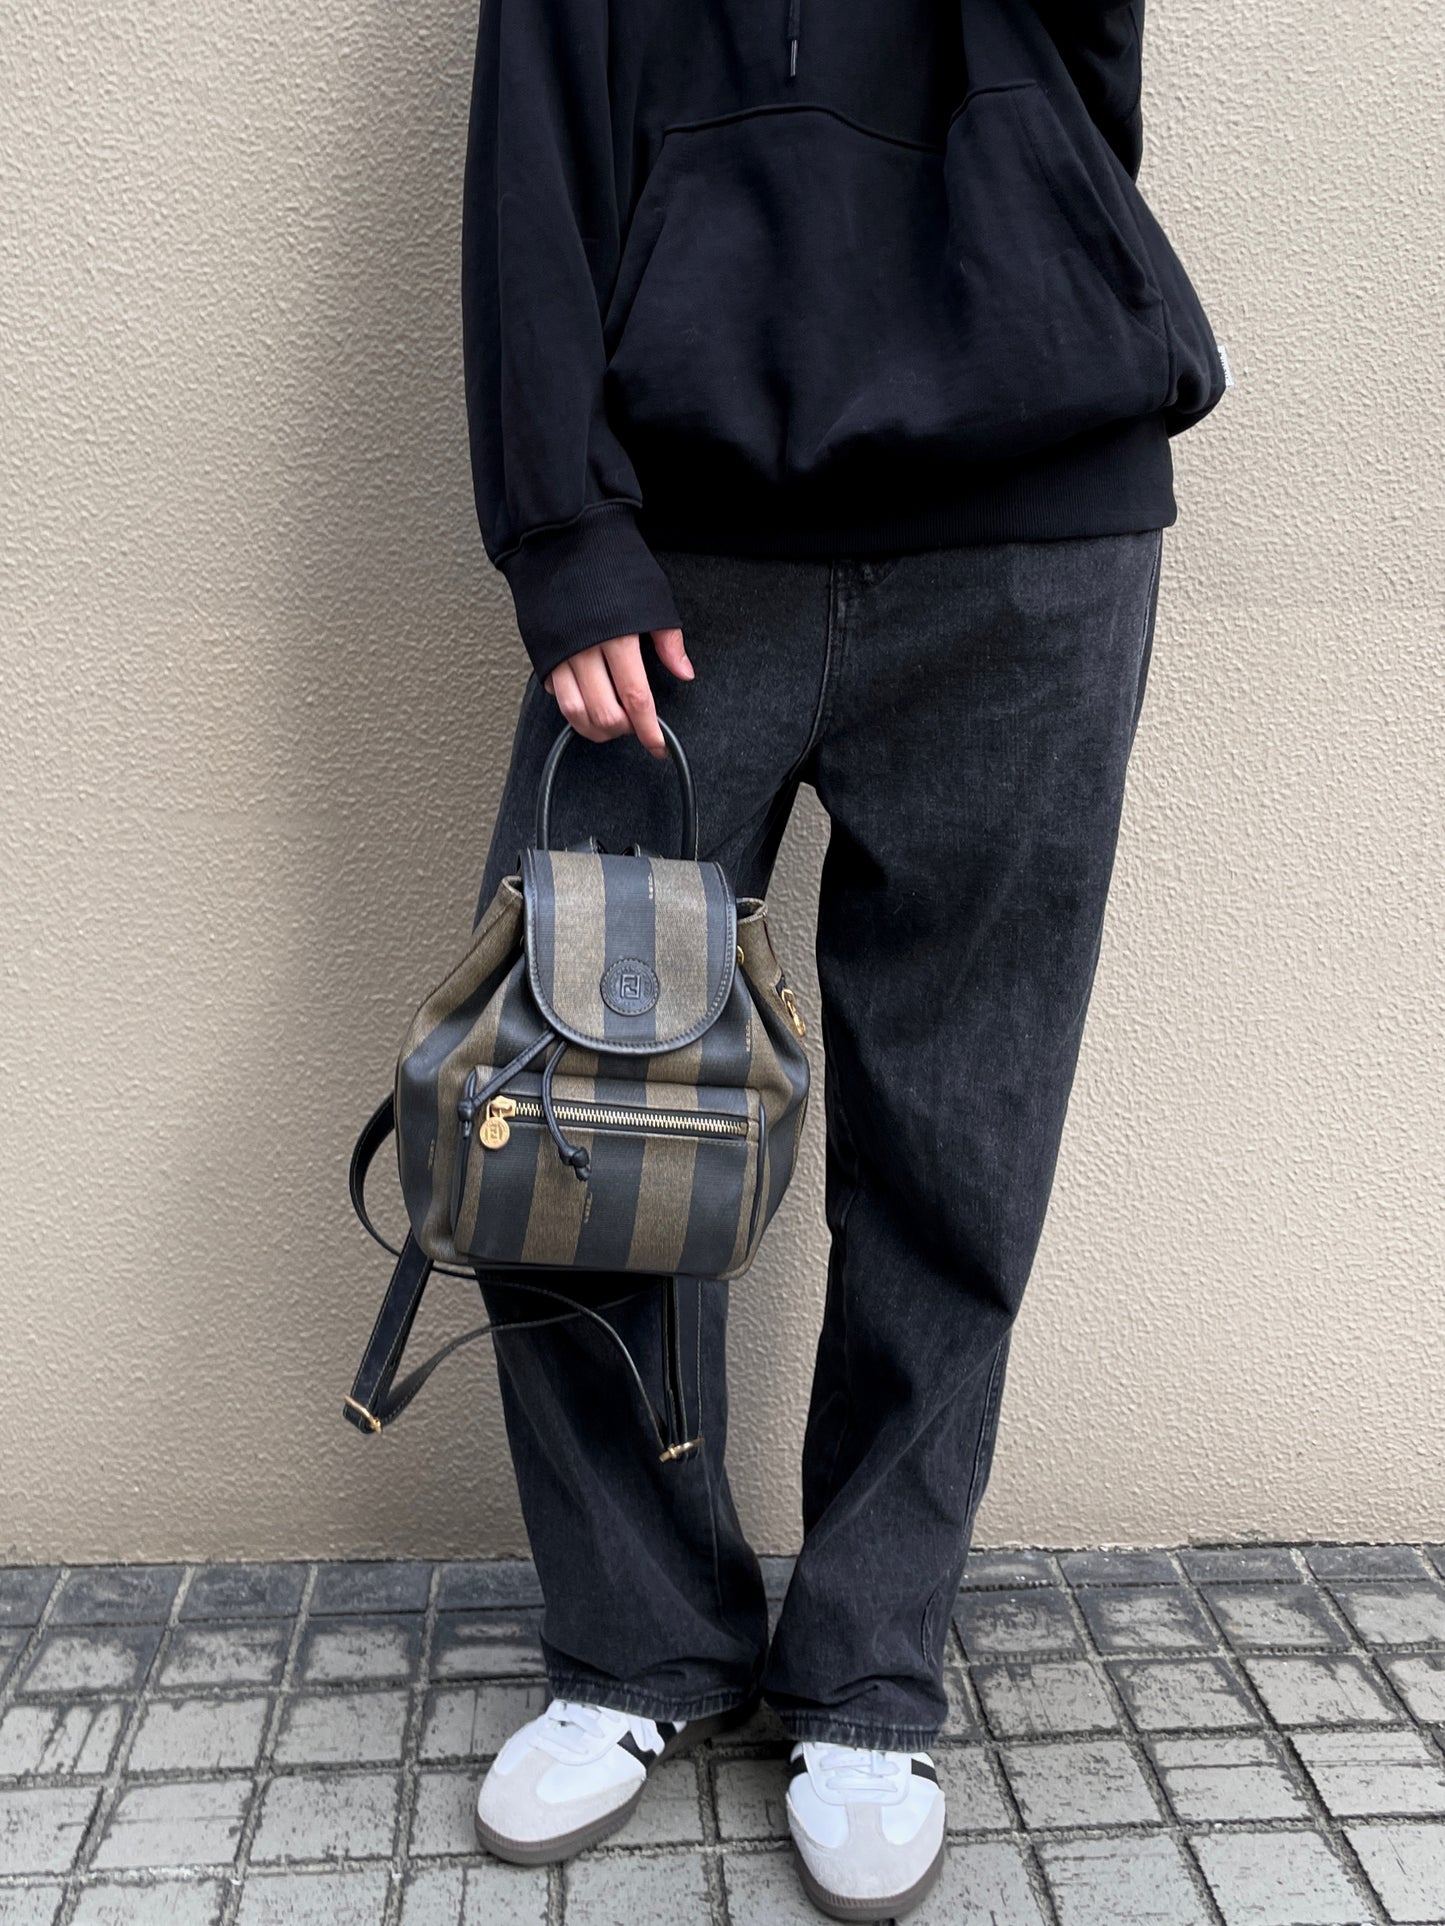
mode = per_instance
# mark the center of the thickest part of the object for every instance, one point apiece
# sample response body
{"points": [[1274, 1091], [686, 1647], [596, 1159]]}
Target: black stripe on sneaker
{"points": [[922, 1770], [647, 1760], [668, 1730], [800, 1764]]}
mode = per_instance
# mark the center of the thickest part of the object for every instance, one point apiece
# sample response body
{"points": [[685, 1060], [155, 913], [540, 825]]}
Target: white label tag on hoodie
{"points": [[1223, 353]]}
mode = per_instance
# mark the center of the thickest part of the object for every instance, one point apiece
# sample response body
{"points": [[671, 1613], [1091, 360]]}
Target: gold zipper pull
{"points": [[790, 1003], [494, 1131]]}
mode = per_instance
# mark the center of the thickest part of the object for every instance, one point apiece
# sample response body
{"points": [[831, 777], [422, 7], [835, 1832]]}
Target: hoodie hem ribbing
{"points": [[1115, 482]]}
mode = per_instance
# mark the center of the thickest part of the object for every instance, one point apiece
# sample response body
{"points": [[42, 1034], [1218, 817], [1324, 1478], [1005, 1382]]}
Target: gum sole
{"points": [[522, 1852], [860, 1911], [545, 1852]]}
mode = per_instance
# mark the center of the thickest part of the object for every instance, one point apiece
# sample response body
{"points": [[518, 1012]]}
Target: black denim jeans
{"points": [[965, 716]]}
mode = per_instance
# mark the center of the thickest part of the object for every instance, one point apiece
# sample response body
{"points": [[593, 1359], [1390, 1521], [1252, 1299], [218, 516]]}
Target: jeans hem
{"points": [[642, 1704], [821, 1728]]}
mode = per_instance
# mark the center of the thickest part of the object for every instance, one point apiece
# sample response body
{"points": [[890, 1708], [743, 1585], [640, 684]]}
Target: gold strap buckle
{"points": [[674, 1452], [375, 1423]]}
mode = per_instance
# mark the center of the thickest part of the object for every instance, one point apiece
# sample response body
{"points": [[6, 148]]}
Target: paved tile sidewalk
{"points": [[1249, 1737]]}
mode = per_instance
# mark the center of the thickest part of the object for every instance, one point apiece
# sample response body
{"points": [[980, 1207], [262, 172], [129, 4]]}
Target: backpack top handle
{"points": [[679, 761]]}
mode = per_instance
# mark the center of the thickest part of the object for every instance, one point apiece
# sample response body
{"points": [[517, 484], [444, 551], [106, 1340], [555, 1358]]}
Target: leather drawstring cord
{"points": [[577, 1155], [374, 1403], [666, 1439], [478, 1095]]}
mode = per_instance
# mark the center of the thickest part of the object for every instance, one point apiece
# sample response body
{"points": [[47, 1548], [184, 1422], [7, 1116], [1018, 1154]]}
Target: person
{"points": [[832, 348]]}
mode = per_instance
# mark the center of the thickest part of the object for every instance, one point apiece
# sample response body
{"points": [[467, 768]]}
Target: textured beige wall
{"points": [[239, 834]]}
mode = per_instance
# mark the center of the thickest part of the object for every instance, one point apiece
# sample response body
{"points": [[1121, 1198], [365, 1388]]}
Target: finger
{"points": [[568, 697], [671, 653], [629, 679], [594, 679]]}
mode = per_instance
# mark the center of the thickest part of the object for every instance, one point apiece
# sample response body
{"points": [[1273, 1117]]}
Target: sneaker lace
{"points": [[855, 1774], [574, 1727]]}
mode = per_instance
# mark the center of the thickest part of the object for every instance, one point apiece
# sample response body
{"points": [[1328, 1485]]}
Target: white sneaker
{"points": [[572, 1776], [868, 1827]]}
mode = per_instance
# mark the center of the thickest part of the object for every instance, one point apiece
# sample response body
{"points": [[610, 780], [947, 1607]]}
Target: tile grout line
{"points": [[1133, 1736], [705, 1783], [1324, 1821], [1124, 1732], [263, 1775], [24, 1660], [1354, 1863], [410, 1770], [1319, 1818], [1315, 1820], [30, 1644], [1135, 1739], [111, 1789], [973, 1704], [1034, 1874]]}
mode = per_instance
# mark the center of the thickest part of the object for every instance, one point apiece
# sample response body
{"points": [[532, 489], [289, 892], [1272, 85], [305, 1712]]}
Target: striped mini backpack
{"points": [[610, 1080]]}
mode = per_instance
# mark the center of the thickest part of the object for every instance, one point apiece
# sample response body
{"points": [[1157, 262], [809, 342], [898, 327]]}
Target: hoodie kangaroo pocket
{"points": [[1049, 276], [808, 298]]}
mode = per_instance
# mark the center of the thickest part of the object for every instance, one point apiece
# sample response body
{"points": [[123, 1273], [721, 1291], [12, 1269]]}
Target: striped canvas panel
{"points": [[586, 912], [657, 1202], [430, 1071], [716, 1037]]}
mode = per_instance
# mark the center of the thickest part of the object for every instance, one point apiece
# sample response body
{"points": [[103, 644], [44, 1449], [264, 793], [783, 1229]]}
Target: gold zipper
{"points": [[495, 1129]]}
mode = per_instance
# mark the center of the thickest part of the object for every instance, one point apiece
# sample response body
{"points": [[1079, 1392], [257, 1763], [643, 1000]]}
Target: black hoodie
{"points": [[801, 277]]}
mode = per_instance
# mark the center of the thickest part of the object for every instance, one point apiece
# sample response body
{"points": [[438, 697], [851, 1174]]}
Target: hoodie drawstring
{"points": [[795, 13]]}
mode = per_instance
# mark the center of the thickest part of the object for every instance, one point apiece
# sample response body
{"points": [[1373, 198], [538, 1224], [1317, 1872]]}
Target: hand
{"points": [[604, 692]]}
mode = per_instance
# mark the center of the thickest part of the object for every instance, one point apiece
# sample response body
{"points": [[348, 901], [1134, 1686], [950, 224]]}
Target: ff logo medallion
{"points": [[629, 986]]}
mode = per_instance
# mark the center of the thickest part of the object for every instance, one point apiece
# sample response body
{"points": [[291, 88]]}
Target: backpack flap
{"points": [[628, 955]]}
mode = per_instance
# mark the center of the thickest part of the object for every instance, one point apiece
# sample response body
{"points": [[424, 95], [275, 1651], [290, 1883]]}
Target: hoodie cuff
{"points": [[587, 582]]}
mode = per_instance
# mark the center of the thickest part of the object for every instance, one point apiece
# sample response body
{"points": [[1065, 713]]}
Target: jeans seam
{"points": [[756, 824], [820, 710], [835, 636], [717, 1584], [990, 1408], [793, 774], [1151, 601], [840, 1254], [925, 1640]]}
